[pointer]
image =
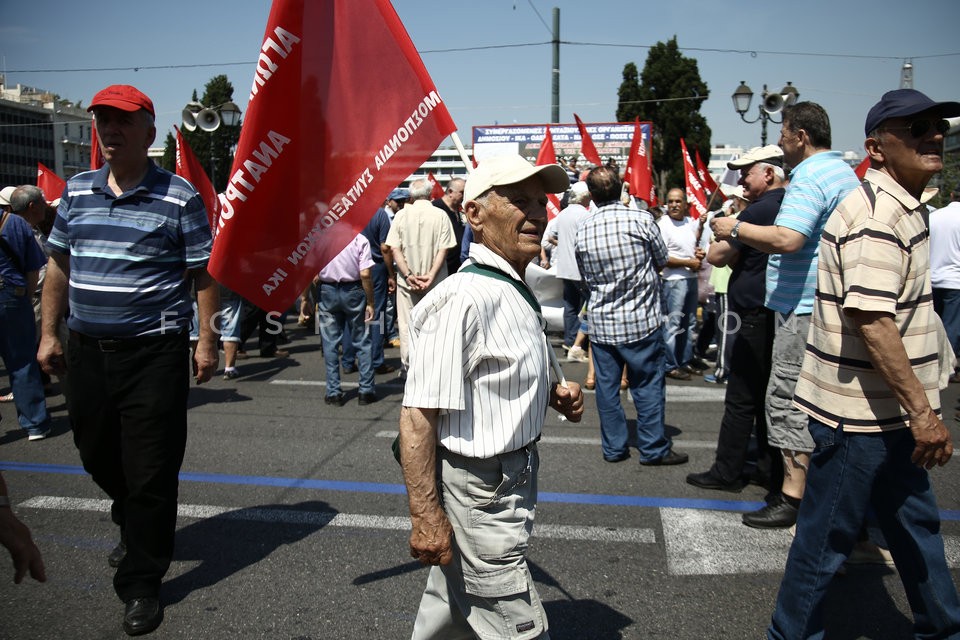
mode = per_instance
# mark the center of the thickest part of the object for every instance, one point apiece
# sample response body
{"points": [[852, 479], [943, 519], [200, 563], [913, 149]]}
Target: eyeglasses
{"points": [[921, 127]]}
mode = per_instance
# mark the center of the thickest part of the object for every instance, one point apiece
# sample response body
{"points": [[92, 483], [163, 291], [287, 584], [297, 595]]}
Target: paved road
{"points": [[293, 525]]}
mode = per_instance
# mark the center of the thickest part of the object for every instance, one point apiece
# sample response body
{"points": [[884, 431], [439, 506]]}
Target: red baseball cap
{"points": [[124, 97]]}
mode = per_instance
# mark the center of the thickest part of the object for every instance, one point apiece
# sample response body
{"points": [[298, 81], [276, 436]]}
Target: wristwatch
{"points": [[735, 232]]}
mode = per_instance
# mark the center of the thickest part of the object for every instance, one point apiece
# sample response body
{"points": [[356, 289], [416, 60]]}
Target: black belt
{"points": [[113, 345], [345, 283]]}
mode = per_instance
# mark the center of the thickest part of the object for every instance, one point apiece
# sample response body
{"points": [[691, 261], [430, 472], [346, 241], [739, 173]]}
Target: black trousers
{"points": [[253, 317], [744, 410], [128, 411]]}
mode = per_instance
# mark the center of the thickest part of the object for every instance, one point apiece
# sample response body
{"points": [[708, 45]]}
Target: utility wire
{"points": [[751, 52]]}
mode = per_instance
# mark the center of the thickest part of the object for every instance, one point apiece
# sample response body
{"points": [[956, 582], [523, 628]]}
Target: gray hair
{"points": [[777, 171], [24, 196], [420, 190]]}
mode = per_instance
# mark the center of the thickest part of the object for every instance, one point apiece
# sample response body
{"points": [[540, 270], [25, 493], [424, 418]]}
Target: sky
{"points": [[838, 53]]}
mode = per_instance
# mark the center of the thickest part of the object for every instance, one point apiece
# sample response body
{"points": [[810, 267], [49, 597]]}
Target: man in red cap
{"points": [[128, 242]]}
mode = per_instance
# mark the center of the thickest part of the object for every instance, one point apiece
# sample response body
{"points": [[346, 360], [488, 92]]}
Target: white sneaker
{"points": [[577, 354]]}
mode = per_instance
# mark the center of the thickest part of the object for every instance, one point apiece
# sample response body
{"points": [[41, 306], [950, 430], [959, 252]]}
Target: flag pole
{"points": [[463, 152]]}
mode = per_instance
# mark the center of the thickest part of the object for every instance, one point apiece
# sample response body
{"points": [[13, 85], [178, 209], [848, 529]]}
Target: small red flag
{"points": [[638, 173], [437, 190], [96, 158], [587, 148], [548, 155], [696, 198], [861, 169], [188, 168], [309, 170], [709, 184], [50, 183]]}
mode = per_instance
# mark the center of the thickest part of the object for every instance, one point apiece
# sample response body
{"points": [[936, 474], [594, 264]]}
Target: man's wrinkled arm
{"points": [[53, 304], [206, 358], [430, 538], [890, 359]]}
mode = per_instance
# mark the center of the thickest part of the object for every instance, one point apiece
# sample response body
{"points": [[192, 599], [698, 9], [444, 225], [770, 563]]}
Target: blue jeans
{"points": [[644, 362], [18, 348], [378, 327], [680, 297], [341, 306], [574, 295], [946, 302], [850, 473]]}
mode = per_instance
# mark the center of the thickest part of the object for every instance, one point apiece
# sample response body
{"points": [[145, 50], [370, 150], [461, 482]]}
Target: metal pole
{"points": [[763, 128], [555, 92], [213, 165]]}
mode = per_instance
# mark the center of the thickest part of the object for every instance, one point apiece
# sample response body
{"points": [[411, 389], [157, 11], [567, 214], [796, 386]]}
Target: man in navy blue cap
{"points": [[870, 381]]}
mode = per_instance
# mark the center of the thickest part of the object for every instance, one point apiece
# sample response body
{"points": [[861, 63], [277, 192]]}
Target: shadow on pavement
{"points": [[575, 619], [230, 542]]}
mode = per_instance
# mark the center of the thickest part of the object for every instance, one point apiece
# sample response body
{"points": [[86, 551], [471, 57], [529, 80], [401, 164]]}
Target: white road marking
{"points": [[675, 393], [594, 442], [333, 519]]}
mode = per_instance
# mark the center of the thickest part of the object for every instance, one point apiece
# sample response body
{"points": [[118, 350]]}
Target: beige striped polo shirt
{"points": [[874, 256]]}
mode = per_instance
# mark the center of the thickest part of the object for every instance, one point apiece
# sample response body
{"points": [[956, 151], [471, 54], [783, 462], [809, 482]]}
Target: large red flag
{"points": [[861, 169], [50, 183], [437, 191], [188, 168], [547, 155], [709, 184], [587, 148], [341, 111], [639, 174], [696, 198]]}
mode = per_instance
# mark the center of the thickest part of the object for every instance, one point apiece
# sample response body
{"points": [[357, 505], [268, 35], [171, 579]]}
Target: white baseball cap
{"points": [[5, 194], [511, 169]]}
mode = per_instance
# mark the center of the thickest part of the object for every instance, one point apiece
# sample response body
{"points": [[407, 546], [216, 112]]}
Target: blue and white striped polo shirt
{"points": [[129, 254], [817, 185]]}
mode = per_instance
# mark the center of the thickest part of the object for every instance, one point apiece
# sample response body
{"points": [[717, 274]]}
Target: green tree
{"points": [[669, 95], [218, 143], [169, 160], [628, 106]]}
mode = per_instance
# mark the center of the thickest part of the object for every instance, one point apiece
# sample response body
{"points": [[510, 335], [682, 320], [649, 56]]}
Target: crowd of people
{"points": [[834, 307]]}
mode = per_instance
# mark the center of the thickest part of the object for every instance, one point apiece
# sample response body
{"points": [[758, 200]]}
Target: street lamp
{"points": [[196, 116], [771, 103]]}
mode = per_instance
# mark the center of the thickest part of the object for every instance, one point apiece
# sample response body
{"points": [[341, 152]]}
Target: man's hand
{"points": [[568, 401], [368, 314], [391, 285], [933, 443], [206, 359], [50, 356], [15, 536], [722, 226], [430, 538]]}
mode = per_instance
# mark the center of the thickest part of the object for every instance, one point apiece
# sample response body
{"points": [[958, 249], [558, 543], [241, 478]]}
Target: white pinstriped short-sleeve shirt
{"points": [[478, 353]]}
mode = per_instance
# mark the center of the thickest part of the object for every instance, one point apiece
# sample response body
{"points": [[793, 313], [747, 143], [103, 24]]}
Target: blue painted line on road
{"points": [[395, 489]]}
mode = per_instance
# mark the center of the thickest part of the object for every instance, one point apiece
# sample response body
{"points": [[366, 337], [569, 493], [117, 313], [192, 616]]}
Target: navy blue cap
{"points": [[901, 103], [399, 194]]}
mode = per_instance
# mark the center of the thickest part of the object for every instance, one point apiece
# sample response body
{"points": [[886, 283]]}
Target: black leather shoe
{"points": [[618, 458], [672, 457], [678, 374], [385, 368], [336, 399], [118, 554], [707, 480], [779, 514], [367, 398], [698, 365], [142, 615]]}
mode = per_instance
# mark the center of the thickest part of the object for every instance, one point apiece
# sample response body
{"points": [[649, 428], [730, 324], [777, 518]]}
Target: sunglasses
{"points": [[921, 127]]}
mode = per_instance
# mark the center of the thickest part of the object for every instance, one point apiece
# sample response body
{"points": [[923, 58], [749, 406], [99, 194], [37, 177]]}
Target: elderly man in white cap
{"points": [[5, 194], [473, 408]]}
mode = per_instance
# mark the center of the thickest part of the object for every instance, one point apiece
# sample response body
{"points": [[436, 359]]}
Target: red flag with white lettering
{"points": [[709, 184], [696, 198], [587, 148], [437, 190], [861, 169], [639, 174], [188, 168], [341, 111], [50, 183], [548, 155]]}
